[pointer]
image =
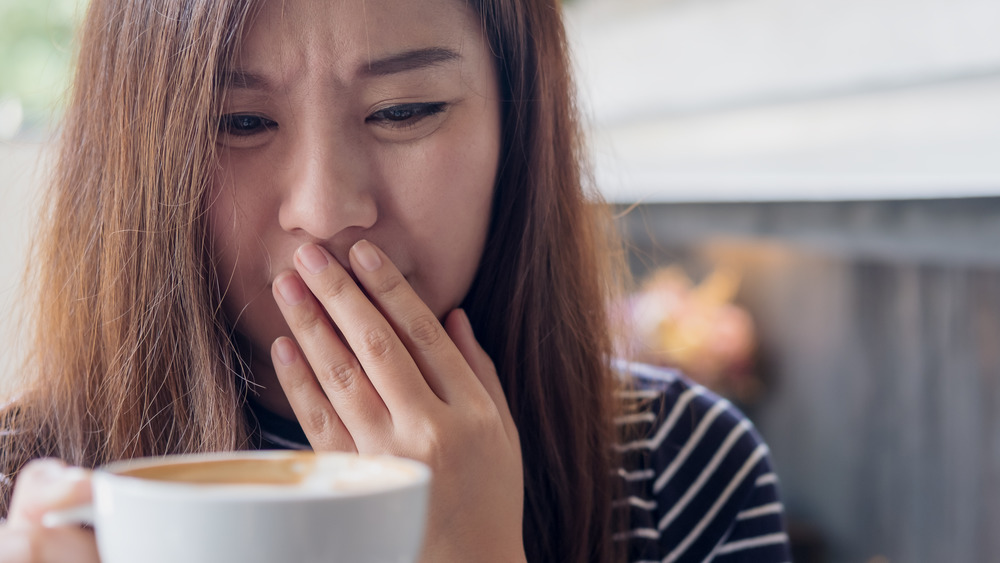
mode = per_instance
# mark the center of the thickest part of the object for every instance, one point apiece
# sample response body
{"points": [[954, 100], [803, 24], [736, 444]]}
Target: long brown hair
{"points": [[131, 354], [539, 301], [125, 358]]}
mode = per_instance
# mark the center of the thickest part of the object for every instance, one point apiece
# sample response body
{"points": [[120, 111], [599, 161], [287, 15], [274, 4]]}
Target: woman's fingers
{"points": [[379, 356], [391, 357], [42, 486], [45, 485], [47, 545], [313, 409], [443, 402], [326, 386], [420, 332]]}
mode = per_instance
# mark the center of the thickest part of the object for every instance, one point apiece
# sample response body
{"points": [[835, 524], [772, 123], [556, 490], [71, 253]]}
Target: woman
{"points": [[404, 179]]}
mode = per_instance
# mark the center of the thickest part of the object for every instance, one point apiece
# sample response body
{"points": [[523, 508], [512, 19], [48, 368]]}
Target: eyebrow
{"points": [[392, 64], [235, 78], [409, 60]]}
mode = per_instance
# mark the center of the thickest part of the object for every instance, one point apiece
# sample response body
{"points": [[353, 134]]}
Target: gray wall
{"points": [[880, 348]]}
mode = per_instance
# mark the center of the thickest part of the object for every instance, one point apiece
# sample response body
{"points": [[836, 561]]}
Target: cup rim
{"points": [[257, 492]]}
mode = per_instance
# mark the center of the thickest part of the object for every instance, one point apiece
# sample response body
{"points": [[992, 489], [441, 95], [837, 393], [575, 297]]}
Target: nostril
{"points": [[326, 219]]}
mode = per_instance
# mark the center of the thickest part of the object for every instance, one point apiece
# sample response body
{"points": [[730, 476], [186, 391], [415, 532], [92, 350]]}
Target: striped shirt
{"points": [[697, 477]]}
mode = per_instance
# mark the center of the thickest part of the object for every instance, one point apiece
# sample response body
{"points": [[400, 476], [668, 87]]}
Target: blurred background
{"points": [[811, 196], [810, 191], [35, 57]]}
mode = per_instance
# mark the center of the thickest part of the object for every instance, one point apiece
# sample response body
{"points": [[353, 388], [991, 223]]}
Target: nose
{"points": [[328, 189]]}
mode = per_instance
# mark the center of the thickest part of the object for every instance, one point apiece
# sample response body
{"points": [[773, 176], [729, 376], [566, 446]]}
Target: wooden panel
{"points": [[883, 402]]}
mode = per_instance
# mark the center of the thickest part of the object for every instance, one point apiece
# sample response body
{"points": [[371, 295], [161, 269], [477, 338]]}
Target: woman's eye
{"points": [[241, 125], [405, 115]]}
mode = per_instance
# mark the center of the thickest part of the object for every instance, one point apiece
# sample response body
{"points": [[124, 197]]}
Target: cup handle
{"points": [[82, 515]]}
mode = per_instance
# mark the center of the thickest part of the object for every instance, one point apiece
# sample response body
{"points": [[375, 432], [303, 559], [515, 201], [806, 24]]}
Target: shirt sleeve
{"points": [[757, 533], [698, 481]]}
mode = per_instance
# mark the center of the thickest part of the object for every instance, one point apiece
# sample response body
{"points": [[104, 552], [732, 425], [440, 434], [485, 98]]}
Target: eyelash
{"points": [[405, 115], [245, 124], [399, 116]]}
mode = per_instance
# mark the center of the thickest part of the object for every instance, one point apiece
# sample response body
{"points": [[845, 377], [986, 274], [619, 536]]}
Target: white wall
{"points": [[784, 99], [19, 167]]}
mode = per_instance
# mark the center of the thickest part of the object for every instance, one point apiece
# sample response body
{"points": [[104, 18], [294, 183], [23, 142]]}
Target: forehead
{"points": [[345, 35]]}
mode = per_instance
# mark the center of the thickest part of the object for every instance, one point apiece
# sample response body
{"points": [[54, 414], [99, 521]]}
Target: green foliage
{"points": [[35, 54]]}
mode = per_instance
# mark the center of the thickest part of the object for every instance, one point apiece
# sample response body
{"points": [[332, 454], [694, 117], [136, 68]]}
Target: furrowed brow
{"points": [[241, 79], [409, 60]]}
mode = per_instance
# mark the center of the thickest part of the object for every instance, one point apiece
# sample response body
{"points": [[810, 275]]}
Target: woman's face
{"points": [[348, 120]]}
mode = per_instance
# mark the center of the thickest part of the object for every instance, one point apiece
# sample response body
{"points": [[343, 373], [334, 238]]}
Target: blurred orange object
{"points": [[697, 329]]}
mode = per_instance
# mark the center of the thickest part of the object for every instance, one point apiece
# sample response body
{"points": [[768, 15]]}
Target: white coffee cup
{"points": [[258, 507]]}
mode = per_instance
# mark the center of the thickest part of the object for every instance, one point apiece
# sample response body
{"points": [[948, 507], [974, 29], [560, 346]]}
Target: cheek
{"points": [[223, 225], [447, 214], [458, 170], [220, 214], [237, 215], [242, 267], [232, 250]]}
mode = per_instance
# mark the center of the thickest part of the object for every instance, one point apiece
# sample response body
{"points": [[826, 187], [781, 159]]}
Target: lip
{"points": [[275, 274], [342, 259]]}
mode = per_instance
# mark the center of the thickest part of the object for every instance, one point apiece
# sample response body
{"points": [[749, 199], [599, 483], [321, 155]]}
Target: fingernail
{"points": [[285, 351], [290, 289], [367, 256], [313, 258]]}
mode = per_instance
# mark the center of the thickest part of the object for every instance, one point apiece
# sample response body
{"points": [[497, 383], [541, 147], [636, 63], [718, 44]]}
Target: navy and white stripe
{"points": [[272, 432], [708, 492]]}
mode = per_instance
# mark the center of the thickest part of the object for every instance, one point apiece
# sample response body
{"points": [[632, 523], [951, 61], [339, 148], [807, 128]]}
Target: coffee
{"points": [[289, 471], [343, 474]]}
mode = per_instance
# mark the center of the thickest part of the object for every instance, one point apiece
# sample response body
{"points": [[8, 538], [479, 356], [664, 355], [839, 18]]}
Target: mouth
{"points": [[342, 260]]}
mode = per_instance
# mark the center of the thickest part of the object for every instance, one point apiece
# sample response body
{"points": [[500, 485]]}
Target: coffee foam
{"points": [[351, 475], [306, 471]]}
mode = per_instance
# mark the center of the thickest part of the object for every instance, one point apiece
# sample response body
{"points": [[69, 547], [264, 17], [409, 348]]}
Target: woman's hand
{"points": [[42, 486], [398, 382]]}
